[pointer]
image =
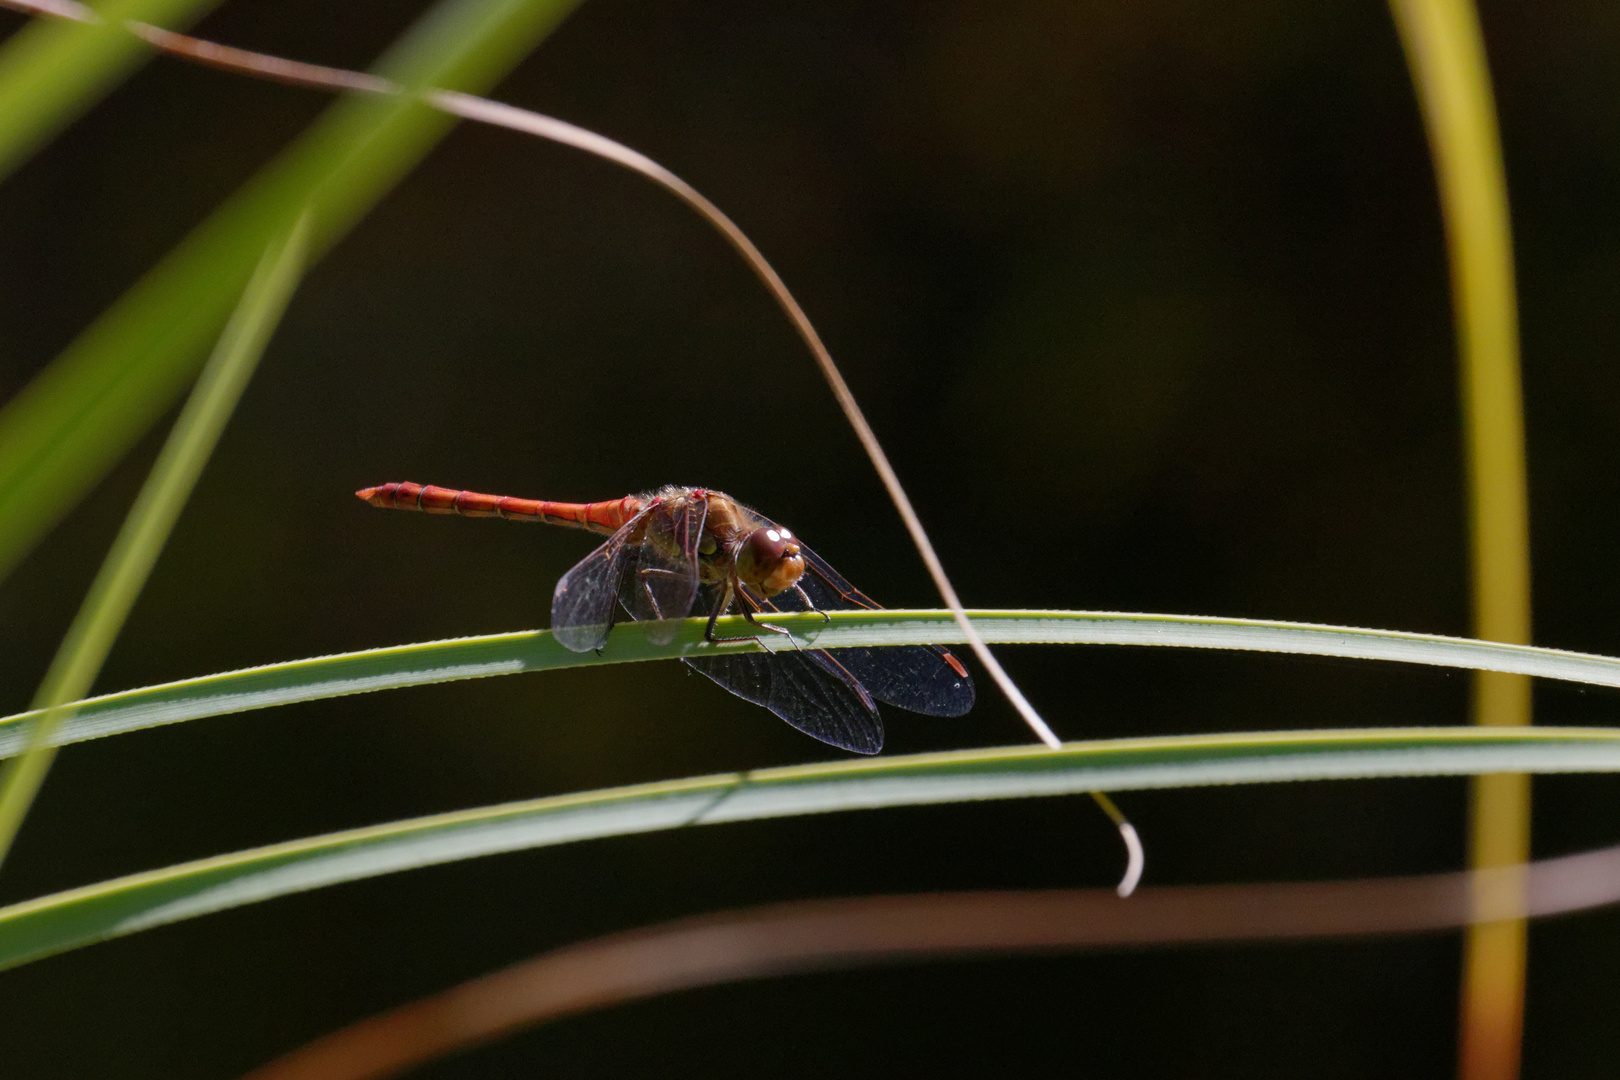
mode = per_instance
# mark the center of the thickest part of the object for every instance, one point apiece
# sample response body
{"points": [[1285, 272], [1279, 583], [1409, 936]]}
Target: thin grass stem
{"points": [[51, 70], [1445, 49]]}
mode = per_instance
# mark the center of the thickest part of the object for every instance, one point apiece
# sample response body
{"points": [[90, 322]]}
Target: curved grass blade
{"points": [[511, 654], [53, 70], [67, 920], [68, 426]]}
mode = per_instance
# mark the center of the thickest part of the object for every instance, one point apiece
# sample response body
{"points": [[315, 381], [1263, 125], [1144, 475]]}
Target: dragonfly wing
{"points": [[919, 678], [808, 689], [664, 583], [582, 605]]}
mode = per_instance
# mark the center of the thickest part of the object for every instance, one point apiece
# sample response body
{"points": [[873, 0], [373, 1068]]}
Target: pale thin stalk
{"points": [[558, 131], [547, 127], [483, 110], [51, 72], [1446, 51], [152, 517]]}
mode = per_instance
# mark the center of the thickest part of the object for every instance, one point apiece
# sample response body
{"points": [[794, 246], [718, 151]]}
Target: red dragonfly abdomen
{"points": [[599, 517]]}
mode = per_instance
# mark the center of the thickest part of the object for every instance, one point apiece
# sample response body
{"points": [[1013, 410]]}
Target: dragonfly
{"points": [[679, 551]]}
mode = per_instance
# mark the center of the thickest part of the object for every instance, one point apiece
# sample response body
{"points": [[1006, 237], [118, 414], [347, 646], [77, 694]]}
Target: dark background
{"points": [[1148, 302]]}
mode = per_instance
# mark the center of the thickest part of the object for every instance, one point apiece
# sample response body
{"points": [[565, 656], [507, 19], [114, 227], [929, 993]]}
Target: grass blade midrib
{"points": [[512, 653]]}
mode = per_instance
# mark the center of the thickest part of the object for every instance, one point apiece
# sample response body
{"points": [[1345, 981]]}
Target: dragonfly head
{"points": [[768, 560]]}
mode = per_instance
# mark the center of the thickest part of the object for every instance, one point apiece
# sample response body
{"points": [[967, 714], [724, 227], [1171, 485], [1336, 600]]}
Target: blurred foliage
{"points": [[64, 430], [1161, 328], [52, 70]]}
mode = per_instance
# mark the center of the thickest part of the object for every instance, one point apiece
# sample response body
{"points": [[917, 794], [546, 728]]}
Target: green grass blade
{"points": [[53, 70], [67, 427], [67, 920], [511, 654], [156, 508], [1445, 48]]}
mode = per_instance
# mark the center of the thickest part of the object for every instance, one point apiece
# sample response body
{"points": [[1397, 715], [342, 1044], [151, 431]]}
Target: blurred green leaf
{"points": [[52, 70], [67, 920], [67, 427], [536, 650], [146, 529]]}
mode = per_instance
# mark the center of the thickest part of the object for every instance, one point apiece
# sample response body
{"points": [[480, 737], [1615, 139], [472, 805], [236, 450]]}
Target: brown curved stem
{"points": [[781, 939]]}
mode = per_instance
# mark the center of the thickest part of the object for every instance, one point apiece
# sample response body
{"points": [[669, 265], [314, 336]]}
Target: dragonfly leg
{"points": [[714, 617], [734, 591], [751, 604], [613, 620], [810, 605], [652, 599]]}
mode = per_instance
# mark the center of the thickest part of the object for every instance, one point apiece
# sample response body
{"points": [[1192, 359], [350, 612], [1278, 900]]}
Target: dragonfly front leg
{"points": [[810, 605], [750, 605], [734, 590]]}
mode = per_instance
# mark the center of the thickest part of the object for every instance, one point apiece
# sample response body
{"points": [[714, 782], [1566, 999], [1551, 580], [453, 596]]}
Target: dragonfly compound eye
{"points": [[769, 561]]}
